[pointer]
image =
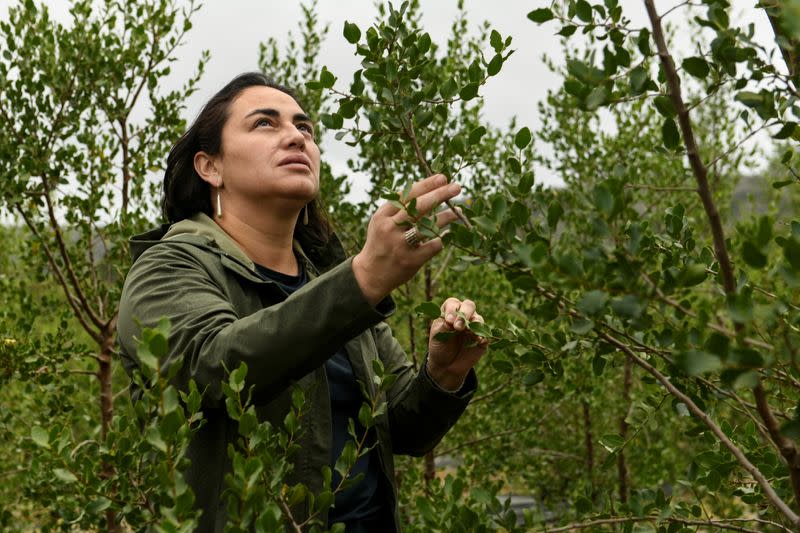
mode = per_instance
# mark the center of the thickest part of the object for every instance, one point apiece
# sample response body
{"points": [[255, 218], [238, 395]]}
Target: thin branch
{"points": [[692, 152], [62, 248], [655, 188], [721, 524], [408, 126], [727, 152], [769, 491], [76, 308]]}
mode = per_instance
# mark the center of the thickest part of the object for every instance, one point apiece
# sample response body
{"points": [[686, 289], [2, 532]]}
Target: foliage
{"points": [[643, 371]]}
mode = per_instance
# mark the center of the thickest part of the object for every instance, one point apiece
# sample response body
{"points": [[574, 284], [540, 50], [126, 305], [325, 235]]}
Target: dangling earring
{"points": [[305, 215], [219, 205]]}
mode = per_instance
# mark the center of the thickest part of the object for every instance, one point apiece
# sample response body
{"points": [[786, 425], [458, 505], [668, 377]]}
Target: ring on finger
{"points": [[412, 237]]}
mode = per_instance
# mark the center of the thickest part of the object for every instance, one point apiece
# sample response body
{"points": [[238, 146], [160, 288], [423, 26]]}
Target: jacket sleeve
{"points": [[419, 411], [279, 343]]}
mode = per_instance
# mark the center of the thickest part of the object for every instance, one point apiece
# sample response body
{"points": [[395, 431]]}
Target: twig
{"points": [[655, 188], [76, 308], [769, 491], [423, 163]]}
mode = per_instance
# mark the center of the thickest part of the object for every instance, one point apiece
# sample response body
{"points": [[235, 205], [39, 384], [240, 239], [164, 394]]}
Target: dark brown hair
{"points": [[185, 192]]}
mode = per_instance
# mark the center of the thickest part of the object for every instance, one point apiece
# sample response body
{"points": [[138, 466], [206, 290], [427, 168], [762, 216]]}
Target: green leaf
{"points": [[153, 436], [753, 256], [428, 310], [554, 212], [98, 506], [643, 42], [333, 121], [40, 437], [596, 98], [696, 362], [424, 43], [664, 106], [522, 138], [693, 274], [496, 41], [581, 326], [612, 442], [326, 78], [791, 250], [503, 366], [638, 80], [480, 329], [476, 134], [65, 475], [786, 131], [351, 32], [583, 505], [782, 184], [469, 91], [532, 378], [494, 65], [628, 306], [750, 99], [598, 365], [696, 66], [541, 15], [584, 10], [670, 134], [603, 199], [592, 302]]}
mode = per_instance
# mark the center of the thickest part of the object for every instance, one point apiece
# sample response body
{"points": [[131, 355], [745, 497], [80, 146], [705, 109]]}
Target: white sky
{"points": [[232, 30]]}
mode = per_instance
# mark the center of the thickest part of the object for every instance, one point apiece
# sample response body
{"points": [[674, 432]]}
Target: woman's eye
{"points": [[306, 127], [262, 122]]}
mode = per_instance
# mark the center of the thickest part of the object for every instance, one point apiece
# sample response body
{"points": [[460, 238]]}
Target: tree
{"points": [[76, 163]]}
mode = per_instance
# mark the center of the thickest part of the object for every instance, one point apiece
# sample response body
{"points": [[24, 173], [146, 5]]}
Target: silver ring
{"points": [[411, 236]]}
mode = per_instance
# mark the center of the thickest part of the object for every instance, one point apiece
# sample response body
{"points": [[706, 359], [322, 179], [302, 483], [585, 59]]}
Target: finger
{"points": [[423, 186], [467, 309], [431, 200], [446, 216], [386, 210], [428, 249], [439, 325], [450, 310], [477, 318]]}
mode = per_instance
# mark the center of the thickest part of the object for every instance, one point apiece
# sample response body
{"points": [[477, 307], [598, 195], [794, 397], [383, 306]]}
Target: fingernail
{"points": [[455, 188], [460, 323], [450, 317]]}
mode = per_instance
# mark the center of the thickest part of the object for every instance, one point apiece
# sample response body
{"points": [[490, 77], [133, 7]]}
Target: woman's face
{"points": [[269, 155]]}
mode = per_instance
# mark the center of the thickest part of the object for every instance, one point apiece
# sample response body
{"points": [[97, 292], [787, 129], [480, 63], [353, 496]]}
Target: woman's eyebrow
{"points": [[270, 112]]}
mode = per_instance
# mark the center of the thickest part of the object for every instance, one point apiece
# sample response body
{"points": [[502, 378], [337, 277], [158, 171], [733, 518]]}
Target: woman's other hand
{"points": [[387, 260], [450, 360]]}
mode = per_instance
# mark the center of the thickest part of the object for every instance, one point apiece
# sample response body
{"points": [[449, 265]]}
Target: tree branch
{"points": [[769, 491], [62, 248], [73, 303]]}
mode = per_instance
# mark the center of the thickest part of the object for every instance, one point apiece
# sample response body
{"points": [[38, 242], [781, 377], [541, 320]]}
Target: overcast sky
{"points": [[232, 30]]}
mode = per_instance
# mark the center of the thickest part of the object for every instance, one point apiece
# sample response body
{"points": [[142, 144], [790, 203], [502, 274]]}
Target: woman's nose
{"points": [[294, 137]]}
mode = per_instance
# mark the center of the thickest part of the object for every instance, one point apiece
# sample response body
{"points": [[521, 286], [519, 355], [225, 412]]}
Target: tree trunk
{"points": [[622, 467], [588, 439], [106, 411]]}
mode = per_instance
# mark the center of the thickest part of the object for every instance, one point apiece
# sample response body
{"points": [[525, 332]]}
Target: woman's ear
{"points": [[208, 168]]}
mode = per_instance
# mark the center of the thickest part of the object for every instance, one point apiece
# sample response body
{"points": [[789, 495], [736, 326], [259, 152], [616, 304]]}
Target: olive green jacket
{"points": [[223, 313]]}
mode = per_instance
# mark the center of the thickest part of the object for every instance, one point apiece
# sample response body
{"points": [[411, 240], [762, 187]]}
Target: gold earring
{"points": [[219, 203]]}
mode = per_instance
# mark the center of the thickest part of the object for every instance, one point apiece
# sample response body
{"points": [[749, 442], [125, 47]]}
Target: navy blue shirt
{"points": [[365, 501]]}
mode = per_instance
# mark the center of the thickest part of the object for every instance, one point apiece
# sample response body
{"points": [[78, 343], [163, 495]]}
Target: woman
{"points": [[248, 271]]}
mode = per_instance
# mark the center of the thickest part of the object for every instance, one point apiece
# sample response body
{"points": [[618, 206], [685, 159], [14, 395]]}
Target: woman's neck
{"points": [[267, 240]]}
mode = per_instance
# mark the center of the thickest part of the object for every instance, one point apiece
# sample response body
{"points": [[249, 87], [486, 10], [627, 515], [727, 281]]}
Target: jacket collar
{"points": [[201, 231]]}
